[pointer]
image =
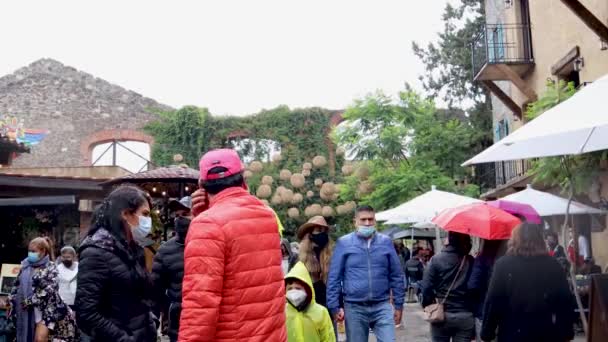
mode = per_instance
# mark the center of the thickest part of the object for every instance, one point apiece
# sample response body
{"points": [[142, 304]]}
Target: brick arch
{"points": [[100, 137]]}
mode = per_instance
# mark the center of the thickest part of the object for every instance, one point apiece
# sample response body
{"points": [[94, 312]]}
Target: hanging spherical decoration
{"points": [[362, 172], [341, 209], [247, 174], [316, 209], [297, 180], [313, 210], [293, 213], [335, 196], [328, 189], [276, 200], [347, 169], [280, 190], [297, 198], [350, 206], [266, 203], [286, 195], [325, 197], [256, 166], [267, 180], [366, 187], [276, 158], [178, 158], [285, 175], [318, 182], [327, 211], [340, 151], [307, 166], [264, 191], [319, 161], [306, 173], [310, 194]]}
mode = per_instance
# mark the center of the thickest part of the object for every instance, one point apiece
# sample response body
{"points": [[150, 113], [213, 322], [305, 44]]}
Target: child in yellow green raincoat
{"points": [[307, 321]]}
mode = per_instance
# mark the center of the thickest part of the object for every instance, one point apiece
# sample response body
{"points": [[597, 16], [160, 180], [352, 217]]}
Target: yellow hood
{"points": [[300, 272]]}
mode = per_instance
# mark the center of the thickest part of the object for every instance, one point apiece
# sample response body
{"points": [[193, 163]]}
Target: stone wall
{"points": [[78, 110]]}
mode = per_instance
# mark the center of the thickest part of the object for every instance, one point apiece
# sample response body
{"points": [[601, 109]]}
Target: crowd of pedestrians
{"points": [[227, 275]]}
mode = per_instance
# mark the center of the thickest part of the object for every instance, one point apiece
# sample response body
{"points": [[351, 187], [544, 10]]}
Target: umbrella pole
{"points": [[412, 249], [579, 302], [437, 240]]}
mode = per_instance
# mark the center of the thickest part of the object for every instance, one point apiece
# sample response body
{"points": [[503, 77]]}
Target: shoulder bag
{"points": [[434, 313]]}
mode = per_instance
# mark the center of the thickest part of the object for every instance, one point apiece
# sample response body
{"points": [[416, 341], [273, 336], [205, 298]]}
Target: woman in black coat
{"points": [[529, 299], [112, 299]]}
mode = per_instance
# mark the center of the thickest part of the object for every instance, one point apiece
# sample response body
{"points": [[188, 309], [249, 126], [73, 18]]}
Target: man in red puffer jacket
{"points": [[233, 287]]}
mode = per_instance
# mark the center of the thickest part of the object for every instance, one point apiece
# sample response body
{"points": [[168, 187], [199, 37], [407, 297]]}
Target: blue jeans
{"points": [[361, 317]]}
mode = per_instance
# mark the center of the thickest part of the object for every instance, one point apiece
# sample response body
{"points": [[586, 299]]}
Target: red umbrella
{"points": [[478, 219]]}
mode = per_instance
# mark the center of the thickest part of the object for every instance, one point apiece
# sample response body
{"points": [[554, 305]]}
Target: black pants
{"points": [[458, 327]]}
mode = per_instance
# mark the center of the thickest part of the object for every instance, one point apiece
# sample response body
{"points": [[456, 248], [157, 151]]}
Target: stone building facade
{"points": [[77, 110]]}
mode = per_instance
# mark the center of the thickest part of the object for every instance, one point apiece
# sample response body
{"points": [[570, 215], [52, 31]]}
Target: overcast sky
{"points": [[234, 57]]}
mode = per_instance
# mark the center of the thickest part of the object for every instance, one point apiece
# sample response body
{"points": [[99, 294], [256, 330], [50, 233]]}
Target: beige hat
{"points": [[315, 221]]}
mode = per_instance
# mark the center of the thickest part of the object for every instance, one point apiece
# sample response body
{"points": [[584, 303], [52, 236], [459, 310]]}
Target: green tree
{"points": [[434, 143], [449, 71], [376, 128]]}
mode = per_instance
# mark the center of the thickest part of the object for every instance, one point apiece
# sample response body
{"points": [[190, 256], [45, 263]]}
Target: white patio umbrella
{"points": [[575, 126], [424, 208], [547, 204]]}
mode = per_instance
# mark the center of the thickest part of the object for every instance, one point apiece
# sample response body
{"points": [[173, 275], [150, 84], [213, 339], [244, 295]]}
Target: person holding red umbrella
{"points": [[445, 282]]}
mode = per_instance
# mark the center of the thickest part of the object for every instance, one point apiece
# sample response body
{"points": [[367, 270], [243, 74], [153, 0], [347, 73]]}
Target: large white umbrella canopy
{"points": [[547, 204], [424, 207], [575, 126]]}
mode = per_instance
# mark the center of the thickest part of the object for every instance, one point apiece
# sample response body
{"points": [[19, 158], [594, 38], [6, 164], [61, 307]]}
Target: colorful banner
{"points": [[31, 136], [14, 129]]}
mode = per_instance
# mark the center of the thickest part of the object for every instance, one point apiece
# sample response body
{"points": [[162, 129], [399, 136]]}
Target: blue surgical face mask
{"points": [[142, 230], [366, 231], [33, 257]]}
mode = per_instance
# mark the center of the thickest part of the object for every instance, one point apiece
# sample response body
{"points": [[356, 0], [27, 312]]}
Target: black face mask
{"points": [[181, 226], [320, 239], [68, 263]]}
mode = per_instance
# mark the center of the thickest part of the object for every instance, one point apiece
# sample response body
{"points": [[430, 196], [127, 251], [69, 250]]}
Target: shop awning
{"points": [[576, 126]]}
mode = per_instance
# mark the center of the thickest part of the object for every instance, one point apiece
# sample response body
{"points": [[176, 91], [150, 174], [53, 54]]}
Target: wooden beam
{"points": [[53, 183], [512, 76], [565, 61], [41, 200], [503, 97], [588, 18]]}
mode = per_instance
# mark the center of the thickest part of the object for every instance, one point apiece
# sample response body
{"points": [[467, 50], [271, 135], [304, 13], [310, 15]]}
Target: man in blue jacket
{"points": [[365, 269]]}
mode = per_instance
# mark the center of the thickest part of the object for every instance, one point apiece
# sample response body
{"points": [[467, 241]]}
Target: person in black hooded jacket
{"points": [[113, 294], [442, 270], [168, 267]]}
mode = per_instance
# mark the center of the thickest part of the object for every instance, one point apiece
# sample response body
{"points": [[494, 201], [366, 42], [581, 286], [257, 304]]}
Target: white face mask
{"points": [[142, 230], [296, 297]]}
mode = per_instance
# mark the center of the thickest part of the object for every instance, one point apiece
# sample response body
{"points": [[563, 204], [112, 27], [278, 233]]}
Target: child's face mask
{"points": [[296, 297]]}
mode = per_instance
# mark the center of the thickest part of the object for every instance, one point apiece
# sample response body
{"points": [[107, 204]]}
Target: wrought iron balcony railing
{"points": [[501, 44], [509, 170]]}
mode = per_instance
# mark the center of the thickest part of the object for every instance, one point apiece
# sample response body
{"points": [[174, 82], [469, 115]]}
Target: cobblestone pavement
{"points": [[414, 328]]}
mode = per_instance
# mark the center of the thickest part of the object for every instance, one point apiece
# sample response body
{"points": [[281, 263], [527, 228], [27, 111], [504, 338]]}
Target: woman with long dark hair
{"points": [[112, 299], [529, 298], [316, 248], [489, 252]]}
